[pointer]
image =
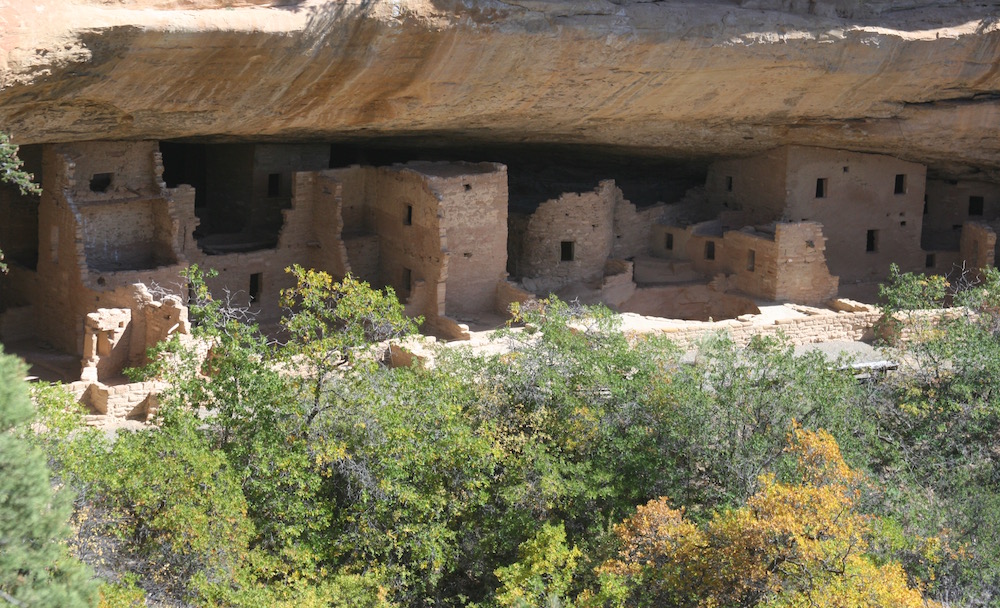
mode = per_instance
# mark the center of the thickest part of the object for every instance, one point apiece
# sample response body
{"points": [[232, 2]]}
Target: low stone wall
{"points": [[825, 327], [108, 405]]}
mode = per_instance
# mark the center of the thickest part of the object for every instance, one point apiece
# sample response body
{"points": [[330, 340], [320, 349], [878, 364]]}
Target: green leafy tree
{"points": [[543, 574], [937, 419], [12, 172], [35, 566]]}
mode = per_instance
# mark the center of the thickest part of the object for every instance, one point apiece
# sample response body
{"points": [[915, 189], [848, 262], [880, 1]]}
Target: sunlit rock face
{"points": [[698, 79]]}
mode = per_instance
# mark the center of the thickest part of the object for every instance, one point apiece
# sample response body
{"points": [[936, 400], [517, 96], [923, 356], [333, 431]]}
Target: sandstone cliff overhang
{"points": [[670, 79]]}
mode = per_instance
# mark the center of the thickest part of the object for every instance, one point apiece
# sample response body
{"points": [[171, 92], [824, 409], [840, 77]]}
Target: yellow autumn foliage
{"points": [[793, 545]]}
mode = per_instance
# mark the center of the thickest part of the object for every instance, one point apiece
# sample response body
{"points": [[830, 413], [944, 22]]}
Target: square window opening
{"points": [[567, 251], [871, 244], [930, 261], [710, 250], [900, 186], [751, 260], [976, 205], [821, 188], [274, 185], [669, 242], [256, 279], [100, 182]]}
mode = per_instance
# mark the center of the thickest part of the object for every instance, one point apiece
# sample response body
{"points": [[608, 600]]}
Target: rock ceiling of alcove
{"points": [[667, 79]]}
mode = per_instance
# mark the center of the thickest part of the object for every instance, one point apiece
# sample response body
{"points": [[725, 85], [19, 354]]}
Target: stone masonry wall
{"points": [[978, 245], [754, 188], [950, 204], [867, 223], [473, 203], [822, 327], [583, 220], [633, 228]]}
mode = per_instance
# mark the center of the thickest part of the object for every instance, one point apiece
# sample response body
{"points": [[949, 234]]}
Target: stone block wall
{"points": [[473, 209], [129, 167], [977, 246], [952, 203], [633, 228], [278, 163], [410, 233], [568, 239], [753, 187], [871, 209], [824, 327]]}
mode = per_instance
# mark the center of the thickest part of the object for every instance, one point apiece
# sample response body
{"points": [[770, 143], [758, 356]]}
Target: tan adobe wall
{"points": [[859, 197], [69, 287], [824, 327], [357, 216], [803, 272], [473, 209], [978, 245], [633, 228], [313, 207], [323, 194], [949, 206], [705, 247], [410, 237], [754, 187], [693, 302], [282, 160], [130, 165], [586, 220]]}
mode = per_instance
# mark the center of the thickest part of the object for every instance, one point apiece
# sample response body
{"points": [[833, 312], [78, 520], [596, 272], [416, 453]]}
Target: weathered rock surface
{"points": [[667, 78]]}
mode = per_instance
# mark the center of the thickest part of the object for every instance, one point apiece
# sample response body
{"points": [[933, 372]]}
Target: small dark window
{"points": [[467, 187], [567, 251], [846, 169], [903, 223], [930, 261], [821, 187], [872, 241], [956, 226], [255, 281], [100, 182], [751, 260], [975, 205], [274, 184], [710, 250], [729, 183], [669, 242], [408, 220], [926, 208], [900, 184]]}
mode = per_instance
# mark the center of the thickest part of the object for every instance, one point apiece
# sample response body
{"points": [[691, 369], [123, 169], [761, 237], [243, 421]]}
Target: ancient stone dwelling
{"points": [[791, 225]]}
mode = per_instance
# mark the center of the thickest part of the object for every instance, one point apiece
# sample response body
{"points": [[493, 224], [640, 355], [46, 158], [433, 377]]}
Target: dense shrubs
{"points": [[580, 467]]}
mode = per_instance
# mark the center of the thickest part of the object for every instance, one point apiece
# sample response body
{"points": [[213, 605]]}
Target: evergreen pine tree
{"points": [[36, 569]]}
